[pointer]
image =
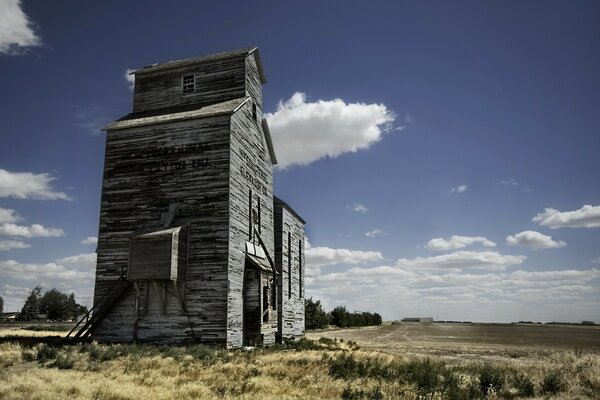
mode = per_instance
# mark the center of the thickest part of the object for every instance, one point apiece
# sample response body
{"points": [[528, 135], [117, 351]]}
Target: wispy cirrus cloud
{"points": [[373, 233], [534, 240], [304, 132], [587, 216], [28, 185], [357, 207], [459, 189], [17, 33]]}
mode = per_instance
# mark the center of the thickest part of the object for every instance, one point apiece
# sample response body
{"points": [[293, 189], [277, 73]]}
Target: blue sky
{"points": [[444, 154]]}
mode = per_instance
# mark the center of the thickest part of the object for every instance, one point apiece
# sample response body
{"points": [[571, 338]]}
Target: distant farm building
{"points": [[418, 319], [192, 245]]}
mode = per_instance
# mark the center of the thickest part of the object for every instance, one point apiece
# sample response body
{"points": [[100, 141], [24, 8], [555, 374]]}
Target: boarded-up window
{"points": [[158, 256]]}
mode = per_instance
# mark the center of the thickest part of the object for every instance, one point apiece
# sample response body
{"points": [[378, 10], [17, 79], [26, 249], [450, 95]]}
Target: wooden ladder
{"points": [[84, 327]]}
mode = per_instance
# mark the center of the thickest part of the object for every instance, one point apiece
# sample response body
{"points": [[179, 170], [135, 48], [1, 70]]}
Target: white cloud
{"points": [[130, 78], [69, 274], [304, 132], [317, 257], [35, 230], [509, 182], [586, 217], [459, 260], [458, 189], [373, 233], [359, 208], [8, 216], [39, 272], [85, 260], [534, 240], [90, 240], [6, 245], [16, 31], [27, 185], [457, 242]]}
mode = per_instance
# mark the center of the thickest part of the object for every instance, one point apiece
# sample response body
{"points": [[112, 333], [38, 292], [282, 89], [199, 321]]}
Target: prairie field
{"points": [[401, 361]]}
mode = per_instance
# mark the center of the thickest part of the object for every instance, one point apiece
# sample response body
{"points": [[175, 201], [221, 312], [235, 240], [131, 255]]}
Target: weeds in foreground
{"points": [[308, 369]]}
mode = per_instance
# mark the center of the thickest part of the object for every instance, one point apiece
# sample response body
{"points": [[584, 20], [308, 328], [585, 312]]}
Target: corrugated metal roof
{"points": [[226, 107], [213, 57]]}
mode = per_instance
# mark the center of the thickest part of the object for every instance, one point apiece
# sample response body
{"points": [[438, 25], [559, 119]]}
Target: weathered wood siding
{"points": [[146, 169], [216, 81], [291, 302], [251, 170]]}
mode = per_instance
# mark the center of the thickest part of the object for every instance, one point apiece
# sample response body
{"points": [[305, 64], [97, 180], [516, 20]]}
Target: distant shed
{"points": [[425, 319]]}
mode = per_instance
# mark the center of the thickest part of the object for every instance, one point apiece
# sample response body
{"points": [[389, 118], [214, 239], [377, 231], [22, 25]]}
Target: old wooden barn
{"points": [[192, 244]]}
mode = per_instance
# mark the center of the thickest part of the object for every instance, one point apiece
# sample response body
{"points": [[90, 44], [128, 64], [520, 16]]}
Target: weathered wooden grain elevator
{"points": [[192, 245]]}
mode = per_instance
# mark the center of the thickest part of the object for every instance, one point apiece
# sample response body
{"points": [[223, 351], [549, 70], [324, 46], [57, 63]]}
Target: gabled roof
{"points": [[278, 202], [267, 133], [226, 107], [213, 57]]}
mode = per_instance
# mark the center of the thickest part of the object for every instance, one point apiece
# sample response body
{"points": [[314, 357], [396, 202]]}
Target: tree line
{"points": [[317, 318], [54, 304]]}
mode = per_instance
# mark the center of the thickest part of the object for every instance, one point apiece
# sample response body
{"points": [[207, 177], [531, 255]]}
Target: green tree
{"points": [[315, 316], [31, 308], [54, 304], [340, 317]]}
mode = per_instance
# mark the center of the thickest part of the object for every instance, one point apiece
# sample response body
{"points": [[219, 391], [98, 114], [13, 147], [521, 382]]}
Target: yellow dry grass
{"points": [[130, 372]]}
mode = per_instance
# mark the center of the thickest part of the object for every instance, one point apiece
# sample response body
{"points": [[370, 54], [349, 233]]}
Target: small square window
{"points": [[188, 84]]}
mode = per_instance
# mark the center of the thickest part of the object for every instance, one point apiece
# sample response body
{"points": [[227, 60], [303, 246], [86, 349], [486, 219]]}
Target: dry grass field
{"points": [[406, 361]]}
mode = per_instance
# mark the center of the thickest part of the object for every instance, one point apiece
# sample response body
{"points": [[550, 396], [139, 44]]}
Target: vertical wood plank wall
{"points": [[144, 173], [291, 304]]}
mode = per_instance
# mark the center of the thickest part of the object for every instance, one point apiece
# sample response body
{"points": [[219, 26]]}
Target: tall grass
{"points": [[324, 369]]}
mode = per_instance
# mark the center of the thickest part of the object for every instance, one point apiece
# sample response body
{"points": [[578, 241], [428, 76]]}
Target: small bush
{"points": [[523, 384], [63, 361], [553, 383], [451, 387], [46, 353], [346, 367], [425, 374], [490, 378], [356, 394]]}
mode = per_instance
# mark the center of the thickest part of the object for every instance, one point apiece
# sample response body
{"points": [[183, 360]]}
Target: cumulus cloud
{"points": [[304, 132], [534, 240], [359, 208], [16, 31], [27, 185], [8, 216], [586, 217], [130, 78], [457, 242], [6, 245], [90, 240], [458, 189], [35, 230], [317, 257], [373, 233], [69, 274], [459, 260]]}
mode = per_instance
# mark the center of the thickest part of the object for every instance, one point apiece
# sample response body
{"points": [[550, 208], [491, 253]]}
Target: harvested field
{"points": [[469, 339]]}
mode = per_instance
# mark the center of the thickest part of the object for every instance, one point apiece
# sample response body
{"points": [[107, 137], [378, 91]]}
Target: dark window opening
{"points": [[274, 296], [254, 113], [259, 215], [265, 303], [188, 84], [250, 235], [300, 269], [289, 265]]}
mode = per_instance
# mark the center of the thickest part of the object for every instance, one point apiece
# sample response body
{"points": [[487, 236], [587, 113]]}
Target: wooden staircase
{"points": [[83, 328]]}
